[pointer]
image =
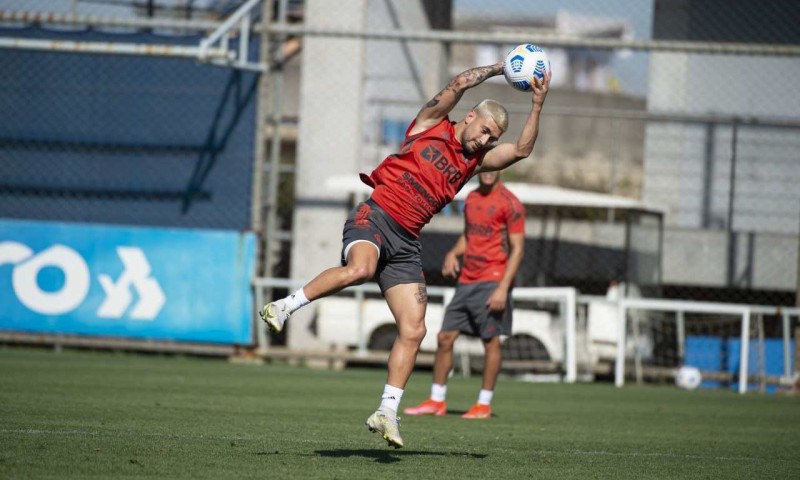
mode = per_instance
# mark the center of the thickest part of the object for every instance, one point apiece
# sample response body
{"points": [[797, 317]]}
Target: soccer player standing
{"points": [[492, 247], [380, 237]]}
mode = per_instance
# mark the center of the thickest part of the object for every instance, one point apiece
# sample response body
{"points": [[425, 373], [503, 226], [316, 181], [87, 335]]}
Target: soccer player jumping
{"points": [[380, 237], [492, 246]]}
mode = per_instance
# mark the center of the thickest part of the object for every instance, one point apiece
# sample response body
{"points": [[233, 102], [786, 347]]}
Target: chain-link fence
{"points": [[684, 132], [687, 108], [126, 139]]}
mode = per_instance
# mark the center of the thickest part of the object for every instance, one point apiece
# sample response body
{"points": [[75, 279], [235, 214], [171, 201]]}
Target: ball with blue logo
{"points": [[523, 63]]}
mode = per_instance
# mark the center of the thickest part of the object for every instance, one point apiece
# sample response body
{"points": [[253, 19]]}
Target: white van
{"points": [[337, 325]]}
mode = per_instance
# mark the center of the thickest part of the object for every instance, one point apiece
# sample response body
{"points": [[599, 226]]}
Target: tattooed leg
{"points": [[408, 303]]}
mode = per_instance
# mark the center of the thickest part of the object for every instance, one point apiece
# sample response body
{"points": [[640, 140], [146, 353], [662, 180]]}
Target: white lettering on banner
{"points": [[13, 253], [118, 295], [26, 271], [76, 281], [136, 273]]}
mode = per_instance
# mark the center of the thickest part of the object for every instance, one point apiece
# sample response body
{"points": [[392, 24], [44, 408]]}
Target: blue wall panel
{"points": [[722, 355], [144, 283]]}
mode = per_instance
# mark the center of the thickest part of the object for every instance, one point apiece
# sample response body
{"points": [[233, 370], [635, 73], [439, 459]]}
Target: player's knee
{"points": [[445, 340], [492, 345], [358, 274], [414, 332]]}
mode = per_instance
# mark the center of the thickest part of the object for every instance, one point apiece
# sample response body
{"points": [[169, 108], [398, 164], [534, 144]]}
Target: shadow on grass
{"points": [[458, 413], [383, 456], [391, 456]]}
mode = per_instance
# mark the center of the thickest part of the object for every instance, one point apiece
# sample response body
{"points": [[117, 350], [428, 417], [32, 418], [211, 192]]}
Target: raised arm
{"points": [[443, 103], [506, 154]]}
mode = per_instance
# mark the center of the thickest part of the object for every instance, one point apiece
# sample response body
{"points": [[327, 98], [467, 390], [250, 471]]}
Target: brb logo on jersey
{"points": [[28, 265], [433, 156]]}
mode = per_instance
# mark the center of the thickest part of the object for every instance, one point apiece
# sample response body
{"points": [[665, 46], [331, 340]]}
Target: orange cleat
{"points": [[428, 407], [479, 411]]}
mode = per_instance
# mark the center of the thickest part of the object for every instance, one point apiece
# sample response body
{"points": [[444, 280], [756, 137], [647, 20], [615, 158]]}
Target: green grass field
{"points": [[106, 415]]}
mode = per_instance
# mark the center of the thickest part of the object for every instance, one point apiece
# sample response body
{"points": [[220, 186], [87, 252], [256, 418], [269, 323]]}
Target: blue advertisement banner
{"points": [[143, 283]]}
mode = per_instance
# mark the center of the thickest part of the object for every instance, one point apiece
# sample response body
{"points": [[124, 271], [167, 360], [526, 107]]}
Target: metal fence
{"points": [[122, 138], [646, 103], [687, 106]]}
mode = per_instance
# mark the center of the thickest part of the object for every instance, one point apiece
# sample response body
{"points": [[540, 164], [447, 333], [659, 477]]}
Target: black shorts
{"points": [[468, 313], [399, 252]]}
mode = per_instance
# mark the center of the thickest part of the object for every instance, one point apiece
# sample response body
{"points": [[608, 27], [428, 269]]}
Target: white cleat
{"points": [[275, 315], [388, 425]]}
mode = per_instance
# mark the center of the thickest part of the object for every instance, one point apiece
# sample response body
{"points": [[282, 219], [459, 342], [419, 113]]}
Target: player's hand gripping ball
{"points": [[523, 63]]}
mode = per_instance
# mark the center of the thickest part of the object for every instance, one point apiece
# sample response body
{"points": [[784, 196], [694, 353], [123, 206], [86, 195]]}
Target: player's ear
{"points": [[469, 117]]}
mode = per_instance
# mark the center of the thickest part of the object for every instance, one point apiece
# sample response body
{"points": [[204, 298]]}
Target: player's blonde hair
{"points": [[494, 110]]}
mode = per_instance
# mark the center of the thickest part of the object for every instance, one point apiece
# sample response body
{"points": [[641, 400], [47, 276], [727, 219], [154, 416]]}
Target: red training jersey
{"points": [[415, 183], [489, 220]]}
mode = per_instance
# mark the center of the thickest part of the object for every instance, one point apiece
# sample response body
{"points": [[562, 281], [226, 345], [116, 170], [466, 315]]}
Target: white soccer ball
{"points": [[523, 63], [688, 377]]}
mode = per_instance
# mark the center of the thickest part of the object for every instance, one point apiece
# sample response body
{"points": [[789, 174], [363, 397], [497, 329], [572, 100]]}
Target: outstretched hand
{"points": [[540, 87]]}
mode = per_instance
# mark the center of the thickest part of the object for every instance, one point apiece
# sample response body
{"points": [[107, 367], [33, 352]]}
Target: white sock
{"points": [[391, 398], [438, 392], [485, 397], [296, 300]]}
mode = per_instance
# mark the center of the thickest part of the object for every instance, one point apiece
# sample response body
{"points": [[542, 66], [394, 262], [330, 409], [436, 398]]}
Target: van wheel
{"points": [[383, 338], [524, 347]]}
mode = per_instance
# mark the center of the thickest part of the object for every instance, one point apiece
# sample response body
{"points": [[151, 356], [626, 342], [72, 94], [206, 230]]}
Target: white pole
{"points": [[744, 352], [619, 370], [360, 305], [637, 354], [681, 336], [244, 40], [109, 48], [261, 334], [787, 371], [52, 18], [762, 362], [447, 296], [572, 368]]}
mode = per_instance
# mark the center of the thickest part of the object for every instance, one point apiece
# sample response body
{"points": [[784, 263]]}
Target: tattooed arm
{"points": [[506, 154], [439, 106]]}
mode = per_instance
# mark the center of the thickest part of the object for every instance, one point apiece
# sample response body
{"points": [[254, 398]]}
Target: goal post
{"points": [[566, 297], [749, 344], [680, 307]]}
